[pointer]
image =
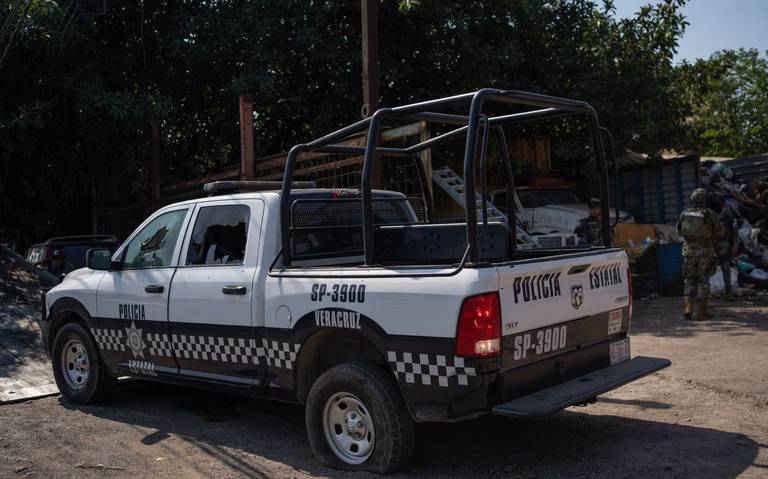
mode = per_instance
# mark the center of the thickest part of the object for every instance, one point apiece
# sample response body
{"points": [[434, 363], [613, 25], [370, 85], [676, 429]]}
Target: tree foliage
{"points": [[728, 98], [78, 88]]}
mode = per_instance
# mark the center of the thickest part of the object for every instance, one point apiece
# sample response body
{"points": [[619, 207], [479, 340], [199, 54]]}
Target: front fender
{"points": [[61, 312]]}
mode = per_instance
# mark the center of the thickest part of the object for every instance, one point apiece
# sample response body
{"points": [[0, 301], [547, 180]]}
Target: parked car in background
{"points": [[550, 210], [63, 254]]}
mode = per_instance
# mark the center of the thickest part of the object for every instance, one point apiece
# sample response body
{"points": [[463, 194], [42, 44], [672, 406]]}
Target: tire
{"points": [[354, 392], [79, 371]]}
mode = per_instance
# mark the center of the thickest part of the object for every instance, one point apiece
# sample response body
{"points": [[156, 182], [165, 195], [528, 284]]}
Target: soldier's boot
{"points": [[703, 312], [688, 308]]}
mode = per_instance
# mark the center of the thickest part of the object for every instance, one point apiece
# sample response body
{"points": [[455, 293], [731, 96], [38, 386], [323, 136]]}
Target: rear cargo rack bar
{"points": [[471, 124]]}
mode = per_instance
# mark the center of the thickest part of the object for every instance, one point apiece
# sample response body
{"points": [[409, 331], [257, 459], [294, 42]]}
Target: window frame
{"points": [[253, 227], [121, 252], [183, 258]]}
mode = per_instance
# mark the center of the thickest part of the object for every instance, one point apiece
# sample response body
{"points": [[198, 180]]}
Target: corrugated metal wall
{"points": [[659, 192], [748, 168]]}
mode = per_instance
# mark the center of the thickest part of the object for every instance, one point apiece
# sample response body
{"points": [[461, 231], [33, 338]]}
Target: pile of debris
{"points": [[745, 206], [655, 250], [25, 371], [21, 279]]}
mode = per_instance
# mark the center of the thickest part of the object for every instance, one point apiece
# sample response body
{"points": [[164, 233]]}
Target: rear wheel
{"points": [[80, 374], [357, 420]]}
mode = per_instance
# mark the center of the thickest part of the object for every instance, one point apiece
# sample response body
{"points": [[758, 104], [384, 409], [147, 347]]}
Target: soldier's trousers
{"points": [[696, 272]]}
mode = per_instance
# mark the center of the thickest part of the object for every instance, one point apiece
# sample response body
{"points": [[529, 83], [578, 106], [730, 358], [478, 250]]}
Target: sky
{"points": [[715, 25]]}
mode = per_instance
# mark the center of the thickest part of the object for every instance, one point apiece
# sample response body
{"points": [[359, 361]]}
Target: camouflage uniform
{"points": [[590, 231], [699, 226], [724, 246]]}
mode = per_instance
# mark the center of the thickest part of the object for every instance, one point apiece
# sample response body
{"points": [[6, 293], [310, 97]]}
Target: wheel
{"points": [[357, 420], [78, 369]]}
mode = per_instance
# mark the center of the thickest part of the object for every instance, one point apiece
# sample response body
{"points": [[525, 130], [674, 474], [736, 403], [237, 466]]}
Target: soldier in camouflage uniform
{"points": [[699, 226], [726, 245], [590, 229]]}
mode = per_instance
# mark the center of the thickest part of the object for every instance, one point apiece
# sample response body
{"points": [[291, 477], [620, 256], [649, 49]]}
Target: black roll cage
{"points": [[547, 107]]}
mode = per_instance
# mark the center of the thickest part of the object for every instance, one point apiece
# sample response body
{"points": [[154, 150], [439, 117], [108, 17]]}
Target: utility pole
{"points": [[370, 43], [370, 14], [246, 137], [154, 139]]}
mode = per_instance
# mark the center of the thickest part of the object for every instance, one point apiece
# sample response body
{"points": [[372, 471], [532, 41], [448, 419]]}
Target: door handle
{"points": [[154, 288], [233, 290]]}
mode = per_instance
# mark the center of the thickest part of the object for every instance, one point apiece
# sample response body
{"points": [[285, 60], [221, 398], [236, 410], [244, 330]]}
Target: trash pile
{"points": [[20, 278], [745, 207], [655, 251]]}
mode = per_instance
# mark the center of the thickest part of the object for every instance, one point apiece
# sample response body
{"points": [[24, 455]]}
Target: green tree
{"points": [[79, 89], [728, 103]]}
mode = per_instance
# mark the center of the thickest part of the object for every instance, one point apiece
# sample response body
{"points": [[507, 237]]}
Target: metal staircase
{"points": [[453, 184]]}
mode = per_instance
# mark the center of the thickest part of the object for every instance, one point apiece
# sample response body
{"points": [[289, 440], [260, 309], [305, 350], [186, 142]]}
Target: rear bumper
{"points": [[489, 390], [580, 389]]}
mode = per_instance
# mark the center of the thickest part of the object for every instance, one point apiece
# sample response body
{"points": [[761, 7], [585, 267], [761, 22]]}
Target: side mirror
{"points": [[99, 259]]}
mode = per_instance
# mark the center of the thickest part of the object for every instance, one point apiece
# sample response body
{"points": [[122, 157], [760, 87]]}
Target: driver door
{"points": [[132, 303]]}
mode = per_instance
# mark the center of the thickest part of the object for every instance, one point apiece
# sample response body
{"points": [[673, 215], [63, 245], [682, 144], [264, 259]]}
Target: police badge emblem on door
{"points": [[577, 296]]}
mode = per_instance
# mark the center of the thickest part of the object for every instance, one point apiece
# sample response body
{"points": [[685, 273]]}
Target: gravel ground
{"points": [[24, 369], [706, 416]]}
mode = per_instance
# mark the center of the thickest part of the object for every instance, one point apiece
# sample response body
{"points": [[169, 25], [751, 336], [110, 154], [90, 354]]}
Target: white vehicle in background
{"points": [[551, 210]]}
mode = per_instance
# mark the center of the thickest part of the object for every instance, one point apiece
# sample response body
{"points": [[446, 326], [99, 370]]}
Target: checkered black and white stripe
{"points": [[429, 369], [159, 345], [217, 348], [278, 354], [109, 339]]}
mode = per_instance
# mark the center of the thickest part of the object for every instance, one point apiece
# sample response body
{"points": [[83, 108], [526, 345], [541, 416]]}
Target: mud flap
{"points": [[580, 390]]}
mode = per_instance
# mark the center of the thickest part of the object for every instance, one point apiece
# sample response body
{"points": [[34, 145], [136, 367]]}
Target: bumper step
{"points": [[581, 389]]}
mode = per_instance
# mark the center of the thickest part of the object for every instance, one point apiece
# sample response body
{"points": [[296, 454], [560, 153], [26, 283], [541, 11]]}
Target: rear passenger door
{"points": [[211, 299]]}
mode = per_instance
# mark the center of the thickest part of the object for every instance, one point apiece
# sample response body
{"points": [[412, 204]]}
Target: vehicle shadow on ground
{"points": [[240, 432], [663, 318]]}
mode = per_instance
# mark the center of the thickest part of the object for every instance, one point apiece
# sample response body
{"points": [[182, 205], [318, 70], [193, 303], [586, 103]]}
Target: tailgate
{"points": [[556, 304]]}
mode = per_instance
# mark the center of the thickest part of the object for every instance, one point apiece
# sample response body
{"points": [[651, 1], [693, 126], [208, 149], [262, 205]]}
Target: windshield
{"points": [[538, 198]]}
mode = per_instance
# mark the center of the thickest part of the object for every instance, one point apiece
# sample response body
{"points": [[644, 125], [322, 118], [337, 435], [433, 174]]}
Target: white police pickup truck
{"points": [[357, 303]]}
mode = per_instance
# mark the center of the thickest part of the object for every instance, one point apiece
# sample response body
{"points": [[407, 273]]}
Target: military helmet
{"points": [[593, 203], [699, 196]]}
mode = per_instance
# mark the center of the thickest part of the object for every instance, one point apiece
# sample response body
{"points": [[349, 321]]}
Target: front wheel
{"points": [[80, 374], [357, 420]]}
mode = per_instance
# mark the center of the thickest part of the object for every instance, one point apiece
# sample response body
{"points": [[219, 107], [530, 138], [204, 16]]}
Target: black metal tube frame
{"points": [[549, 106], [614, 166]]}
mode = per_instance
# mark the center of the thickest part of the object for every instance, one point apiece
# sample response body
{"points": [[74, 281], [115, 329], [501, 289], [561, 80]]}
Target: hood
{"points": [[82, 283], [75, 277]]}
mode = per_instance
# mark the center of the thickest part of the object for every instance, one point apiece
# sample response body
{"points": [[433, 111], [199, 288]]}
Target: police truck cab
{"points": [[356, 302]]}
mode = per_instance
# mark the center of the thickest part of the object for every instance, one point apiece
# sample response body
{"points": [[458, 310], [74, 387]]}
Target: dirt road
{"points": [[706, 416]]}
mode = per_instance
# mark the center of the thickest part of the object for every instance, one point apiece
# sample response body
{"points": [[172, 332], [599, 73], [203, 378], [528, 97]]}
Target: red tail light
{"points": [[629, 286], [479, 331]]}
